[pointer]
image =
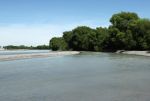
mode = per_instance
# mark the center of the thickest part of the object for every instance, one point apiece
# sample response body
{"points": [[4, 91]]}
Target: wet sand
{"points": [[142, 53], [36, 55]]}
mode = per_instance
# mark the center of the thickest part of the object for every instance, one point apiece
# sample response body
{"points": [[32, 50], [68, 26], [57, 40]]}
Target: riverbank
{"points": [[142, 53], [36, 55]]}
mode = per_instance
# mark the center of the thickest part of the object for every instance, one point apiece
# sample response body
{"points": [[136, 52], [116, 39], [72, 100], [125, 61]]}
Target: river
{"points": [[83, 77]]}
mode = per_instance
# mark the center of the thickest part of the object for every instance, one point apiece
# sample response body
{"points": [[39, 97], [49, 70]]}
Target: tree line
{"points": [[127, 32], [39, 47]]}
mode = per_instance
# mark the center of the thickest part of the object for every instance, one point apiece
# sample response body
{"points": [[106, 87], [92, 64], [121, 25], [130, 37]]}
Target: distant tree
{"points": [[16, 47], [42, 47], [11, 47]]}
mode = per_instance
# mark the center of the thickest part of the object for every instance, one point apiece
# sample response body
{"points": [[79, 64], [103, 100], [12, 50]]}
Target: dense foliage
{"points": [[58, 44], [40, 47], [127, 32]]}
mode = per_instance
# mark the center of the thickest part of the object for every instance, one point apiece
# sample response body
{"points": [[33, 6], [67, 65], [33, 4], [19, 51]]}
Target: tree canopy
{"points": [[39, 47], [58, 43], [127, 32]]}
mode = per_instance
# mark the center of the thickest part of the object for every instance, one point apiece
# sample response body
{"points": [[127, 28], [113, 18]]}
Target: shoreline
{"points": [[36, 55], [140, 53], [63, 53]]}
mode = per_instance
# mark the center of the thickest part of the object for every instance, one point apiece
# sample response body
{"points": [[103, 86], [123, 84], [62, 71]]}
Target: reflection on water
{"points": [[83, 77]]}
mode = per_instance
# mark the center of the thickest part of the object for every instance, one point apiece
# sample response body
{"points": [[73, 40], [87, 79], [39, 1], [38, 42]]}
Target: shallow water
{"points": [[15, 52], [83, 77]]}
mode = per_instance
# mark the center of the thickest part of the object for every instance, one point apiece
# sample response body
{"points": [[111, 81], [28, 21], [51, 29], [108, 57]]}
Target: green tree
{"points": [[121, 33], [118, 40], [141, 33], [68, 37], [58, 43], [42, 47], [83, 38], [102, 39], [123, 19], [127, 31]]}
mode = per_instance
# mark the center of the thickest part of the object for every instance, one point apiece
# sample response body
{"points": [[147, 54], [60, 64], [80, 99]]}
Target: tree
{"points": [[127, 32], [120, 40], [83, 38], [121, 33], [16, 47], [123, 19], [42, 47], [102, 39], [58, 43], [141, 33], [67, 37]]}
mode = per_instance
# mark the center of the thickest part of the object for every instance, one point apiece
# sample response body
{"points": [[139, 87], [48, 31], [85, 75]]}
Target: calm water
{"points": [[84, 77], [14, 52]]}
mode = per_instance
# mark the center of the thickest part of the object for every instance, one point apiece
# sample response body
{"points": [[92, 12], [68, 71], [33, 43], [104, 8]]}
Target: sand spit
{"points": [[36, 55], [143, 53]]}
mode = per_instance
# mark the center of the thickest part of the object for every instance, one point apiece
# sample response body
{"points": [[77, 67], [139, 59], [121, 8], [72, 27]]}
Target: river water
{"points": [[82, 77], [15, 52]]}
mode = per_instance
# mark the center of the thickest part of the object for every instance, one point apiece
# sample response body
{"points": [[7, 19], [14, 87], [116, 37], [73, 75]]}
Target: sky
{"points": [[35, 22]]}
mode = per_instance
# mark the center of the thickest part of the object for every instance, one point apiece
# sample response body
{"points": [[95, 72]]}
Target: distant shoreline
{"points": [[20, 49], [141, 53], [36, 55]]}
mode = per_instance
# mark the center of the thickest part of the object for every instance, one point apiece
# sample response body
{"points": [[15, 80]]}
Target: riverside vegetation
{"points": [[127, 32], [39, 47]]}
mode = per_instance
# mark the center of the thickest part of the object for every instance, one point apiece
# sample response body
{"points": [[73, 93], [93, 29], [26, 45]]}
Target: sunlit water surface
{"points": [[83, 77], [15, 52]]}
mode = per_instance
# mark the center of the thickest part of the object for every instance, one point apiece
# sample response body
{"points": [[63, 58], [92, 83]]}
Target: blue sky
{"points": [[33, 22]]}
